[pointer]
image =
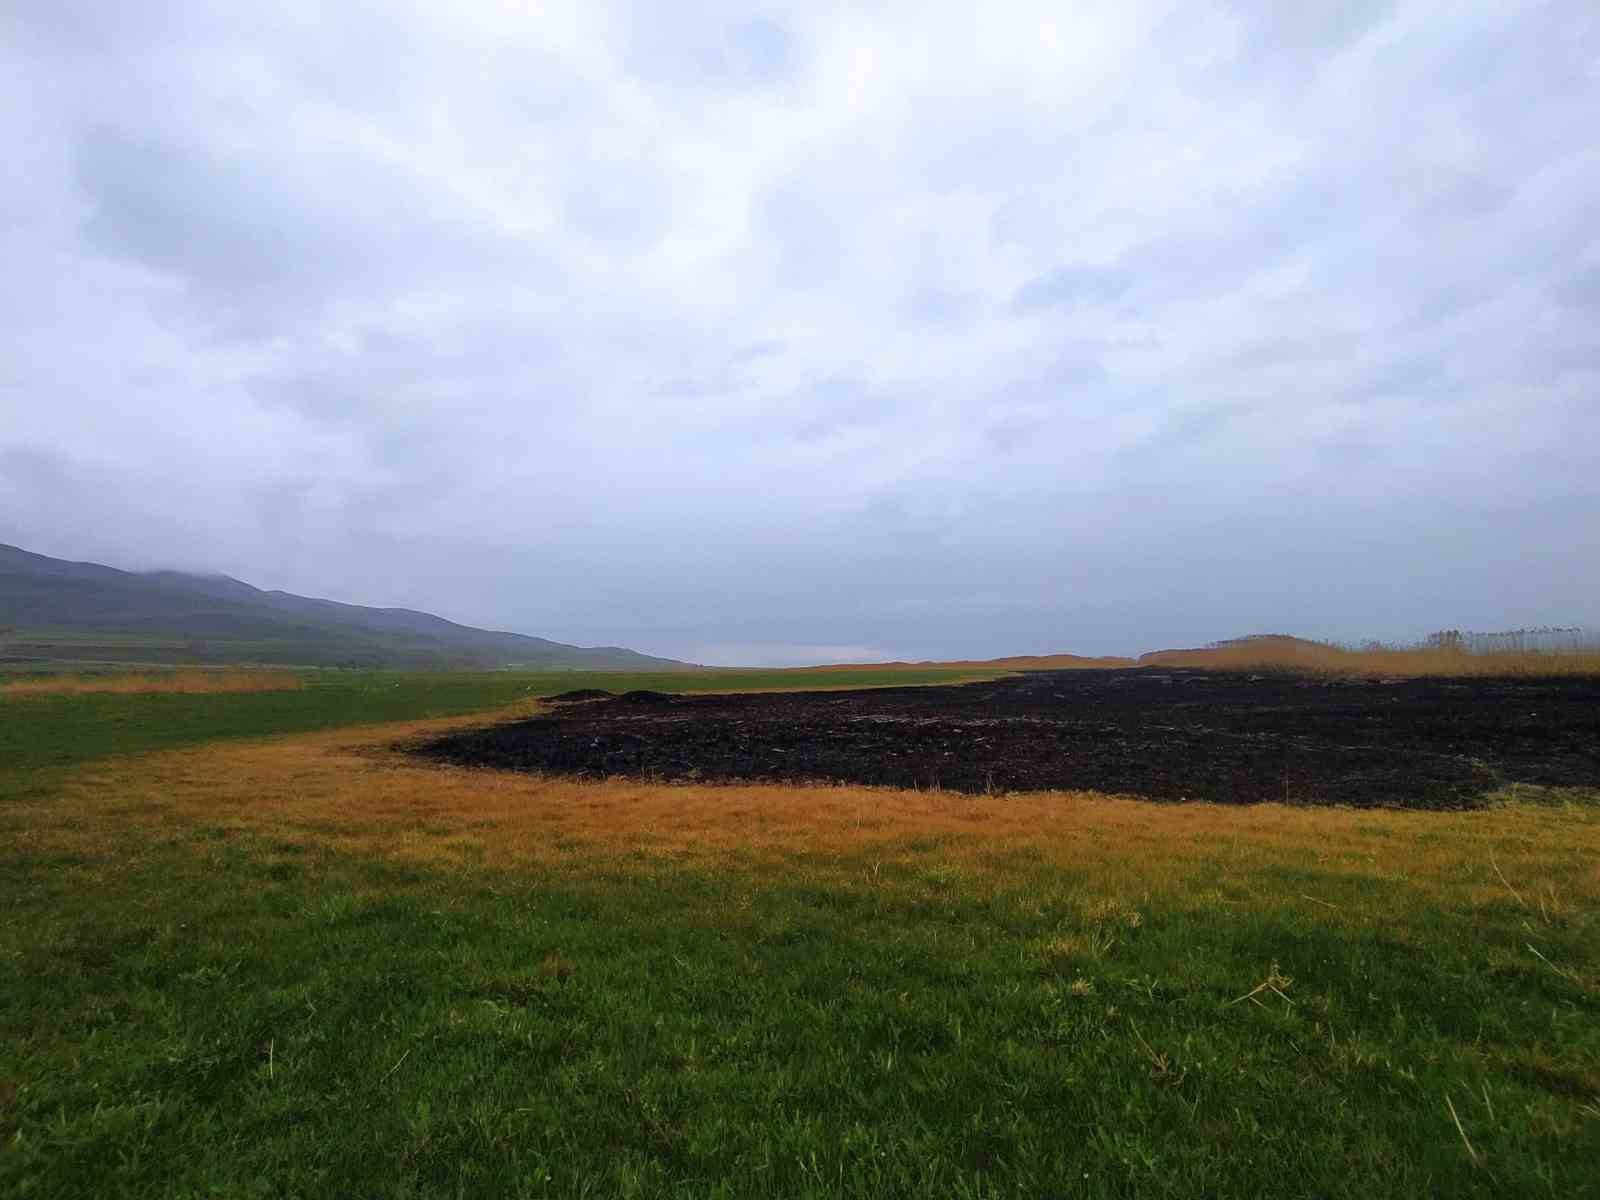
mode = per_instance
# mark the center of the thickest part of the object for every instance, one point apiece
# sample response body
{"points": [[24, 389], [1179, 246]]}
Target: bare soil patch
{"points": [[1166, 735]]}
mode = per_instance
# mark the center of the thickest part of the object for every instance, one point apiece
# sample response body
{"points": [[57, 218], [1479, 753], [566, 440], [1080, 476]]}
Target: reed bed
{"points": [[1325, 658]]}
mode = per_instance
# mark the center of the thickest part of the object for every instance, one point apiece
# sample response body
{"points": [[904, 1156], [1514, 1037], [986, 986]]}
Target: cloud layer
{"points": [[785, 332]]}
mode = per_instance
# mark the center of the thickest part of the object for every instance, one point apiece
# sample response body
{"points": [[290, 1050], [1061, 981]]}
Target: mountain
{"points": [[51, 609]]}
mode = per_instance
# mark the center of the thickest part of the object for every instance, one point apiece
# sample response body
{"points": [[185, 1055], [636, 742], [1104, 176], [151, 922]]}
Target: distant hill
{"points": [[51, 609], [1254, 650]]}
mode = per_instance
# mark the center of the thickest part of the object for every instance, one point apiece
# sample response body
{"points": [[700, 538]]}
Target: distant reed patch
{"points": [[1442, 659]]}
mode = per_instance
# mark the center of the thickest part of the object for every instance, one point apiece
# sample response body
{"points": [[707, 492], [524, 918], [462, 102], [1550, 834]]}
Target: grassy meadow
{"points": [[57, 720], [249, 948]]}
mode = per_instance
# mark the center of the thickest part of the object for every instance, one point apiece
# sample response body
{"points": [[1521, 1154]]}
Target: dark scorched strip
{"points": [[1168, 735]]}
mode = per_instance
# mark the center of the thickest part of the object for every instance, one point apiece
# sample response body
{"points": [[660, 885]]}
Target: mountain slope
{"points": [[53, 609]]}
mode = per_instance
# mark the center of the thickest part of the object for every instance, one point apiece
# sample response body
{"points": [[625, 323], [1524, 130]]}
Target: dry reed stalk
{"points": [[1504, 880], [1466, 1141]]}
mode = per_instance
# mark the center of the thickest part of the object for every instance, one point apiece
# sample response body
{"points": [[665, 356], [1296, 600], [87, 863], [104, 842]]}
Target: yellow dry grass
{"points": [[353, 791], [1320, 658], [188, 682]]}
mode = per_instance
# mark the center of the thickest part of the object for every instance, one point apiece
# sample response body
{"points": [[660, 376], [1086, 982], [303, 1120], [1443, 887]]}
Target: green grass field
{"points": [[40, 732], [245, 953]]}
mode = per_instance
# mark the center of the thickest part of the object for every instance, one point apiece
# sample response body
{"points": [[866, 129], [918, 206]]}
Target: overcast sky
{"points": [[776, 333]]}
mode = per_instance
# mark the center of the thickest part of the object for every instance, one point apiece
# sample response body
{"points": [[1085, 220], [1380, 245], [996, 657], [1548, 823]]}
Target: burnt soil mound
{"points": [[1163, 734], [583, 694]]}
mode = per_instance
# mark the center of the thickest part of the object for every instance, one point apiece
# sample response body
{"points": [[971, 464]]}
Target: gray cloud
{"points": [[262, 237], [727, 47], [1069, 285], [767, 332]]}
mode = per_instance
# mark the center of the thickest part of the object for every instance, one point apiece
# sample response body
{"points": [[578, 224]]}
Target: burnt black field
{"points": [[1165, 735]]}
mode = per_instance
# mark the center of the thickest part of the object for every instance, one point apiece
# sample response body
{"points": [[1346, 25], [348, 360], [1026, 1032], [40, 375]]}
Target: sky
{"points": [[781, 333]]}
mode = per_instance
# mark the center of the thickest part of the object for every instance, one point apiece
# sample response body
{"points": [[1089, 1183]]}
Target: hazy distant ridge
{"points": [[53, 609]]}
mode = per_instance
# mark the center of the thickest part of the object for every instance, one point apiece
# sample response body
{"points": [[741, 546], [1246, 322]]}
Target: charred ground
{"points": [[1168, 735]]}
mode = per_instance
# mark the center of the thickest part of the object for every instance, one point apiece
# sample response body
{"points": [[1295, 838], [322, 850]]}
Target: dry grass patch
{"points": [[357, 791], [174, 682]]}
